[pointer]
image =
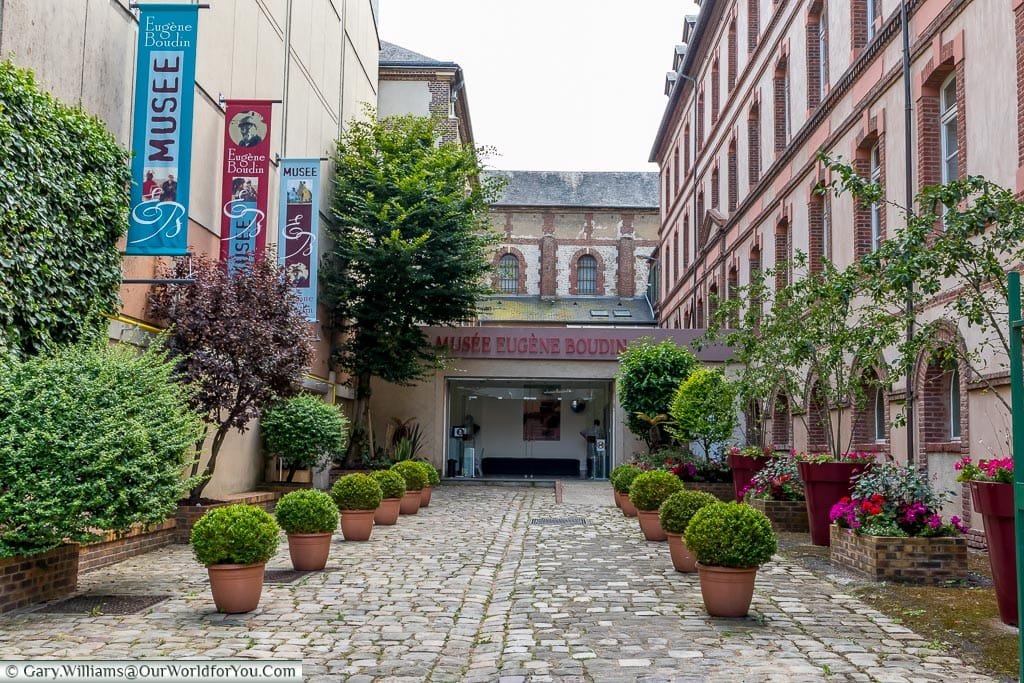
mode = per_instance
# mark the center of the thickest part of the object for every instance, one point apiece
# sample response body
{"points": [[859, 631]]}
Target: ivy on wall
{"points": [[63, 206]]}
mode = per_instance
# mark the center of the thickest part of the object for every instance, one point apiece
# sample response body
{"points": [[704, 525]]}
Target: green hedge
{"points": [[623, 476], [415, 477], [307, 511], [392, 484], [650, 489], [304, 432], [730, 535], [357, 492], [235, 534], [679, 508]]}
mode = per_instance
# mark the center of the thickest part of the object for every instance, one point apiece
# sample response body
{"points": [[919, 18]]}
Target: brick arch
{"points": [[864, 416], [817, 426], [521, 279], [781, 421], [574, 273]]}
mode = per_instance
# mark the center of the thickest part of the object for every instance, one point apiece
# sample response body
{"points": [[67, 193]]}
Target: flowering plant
{"points": [[998, 470], [752, 451], [819, 458], [893, 500], [779, 479]]}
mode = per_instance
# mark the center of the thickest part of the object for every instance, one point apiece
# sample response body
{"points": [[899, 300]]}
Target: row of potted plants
{"points": [[235, 542]]}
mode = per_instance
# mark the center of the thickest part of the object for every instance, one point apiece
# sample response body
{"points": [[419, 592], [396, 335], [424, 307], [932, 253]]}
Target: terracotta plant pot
{"points": [[411, 502], [309, 551], [743, 470], [825, 484], [682, 559], [726, 592], [357, 525], [628, 509], [425, 496], [236, 588], [994, 501], [617, 496], [650, 524], [387, 512]]}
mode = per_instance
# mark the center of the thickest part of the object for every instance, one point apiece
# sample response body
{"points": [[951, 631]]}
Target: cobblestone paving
{"points": [[469, 590]]}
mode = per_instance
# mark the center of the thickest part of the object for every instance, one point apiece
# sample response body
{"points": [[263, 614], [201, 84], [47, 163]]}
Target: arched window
{"points": [[879, 414], [586, 275], [508, 274], [954, 405]]}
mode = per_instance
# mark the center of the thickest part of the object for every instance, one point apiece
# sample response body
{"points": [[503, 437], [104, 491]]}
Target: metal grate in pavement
{"points": [[99, 605], [558, 521], [283, 575]]}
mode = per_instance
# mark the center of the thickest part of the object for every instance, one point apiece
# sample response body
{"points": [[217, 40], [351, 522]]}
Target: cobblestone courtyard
{"points": [[470, 590]]}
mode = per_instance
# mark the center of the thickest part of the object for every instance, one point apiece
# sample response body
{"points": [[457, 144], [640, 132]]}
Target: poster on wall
{"points": [[162, 130], [298, 228], [542, 420], [245, 182]]}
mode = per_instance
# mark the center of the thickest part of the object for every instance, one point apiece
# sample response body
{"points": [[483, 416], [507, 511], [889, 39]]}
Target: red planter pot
{"points": [[994, 501], [743, 470], [825, 484]]}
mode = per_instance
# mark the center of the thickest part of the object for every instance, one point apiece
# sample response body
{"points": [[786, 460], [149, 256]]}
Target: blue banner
{"points": [[298, 228], [165, 76]]}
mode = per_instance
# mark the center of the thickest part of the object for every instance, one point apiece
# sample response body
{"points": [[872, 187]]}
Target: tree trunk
{"points": [[360, 420], [218, 440]]}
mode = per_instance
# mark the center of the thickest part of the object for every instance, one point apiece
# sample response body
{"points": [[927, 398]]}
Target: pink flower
{"points": [[958, 524]]}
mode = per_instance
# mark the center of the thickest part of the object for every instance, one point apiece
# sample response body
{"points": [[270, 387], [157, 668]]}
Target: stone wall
{"points": [[785, 515], [26, 580], [908, 560]]}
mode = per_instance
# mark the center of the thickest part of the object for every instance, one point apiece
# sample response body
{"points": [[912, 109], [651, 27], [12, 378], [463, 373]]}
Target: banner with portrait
{"points": [[162, 129], [246, 181], [298, 228]]}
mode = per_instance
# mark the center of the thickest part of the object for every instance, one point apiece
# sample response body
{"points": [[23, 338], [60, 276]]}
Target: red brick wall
{"points": [[814, 56], [188, 515], [730, 74], [733, 172], [27, 580], [754, 145], [783, 252], [116, 548], [715, 92], [815, 225], [753, 24], [626, 281], [908, 560]]}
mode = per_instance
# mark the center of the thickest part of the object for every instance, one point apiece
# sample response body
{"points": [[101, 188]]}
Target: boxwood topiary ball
{"points": [[235, 534], [392, 484], [307, 511], [679, 508], [650, 489], [623, 476], [415, 477], [433, 476], [357, 492], [730, 535]]}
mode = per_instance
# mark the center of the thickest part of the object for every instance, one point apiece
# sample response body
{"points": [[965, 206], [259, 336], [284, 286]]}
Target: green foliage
{"points": [[307, 511], [428, 471], [304, 432], [92, 437], [730, 535], [392, 484], [679, 508], [415, 477], [63, 206], [649, 375], [433, 475], [704, 409], [623, 476], [235, 534], [650, 489], [357, 492], [403, 450]]}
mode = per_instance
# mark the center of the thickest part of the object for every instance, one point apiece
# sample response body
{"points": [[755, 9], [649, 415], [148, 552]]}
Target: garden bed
{"points": [[26, 580], [905, 560], [785, 515]]}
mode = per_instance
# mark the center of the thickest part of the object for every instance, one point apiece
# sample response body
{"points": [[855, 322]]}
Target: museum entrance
{"points": [[528, 428]]}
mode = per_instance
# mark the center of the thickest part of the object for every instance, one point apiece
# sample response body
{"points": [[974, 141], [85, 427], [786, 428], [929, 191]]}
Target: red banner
{"points": [[246, 184]]}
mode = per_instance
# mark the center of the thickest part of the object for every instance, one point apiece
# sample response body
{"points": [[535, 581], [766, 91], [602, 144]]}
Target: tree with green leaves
{"points": [[704, 409], [649, 375], [410, 247]]}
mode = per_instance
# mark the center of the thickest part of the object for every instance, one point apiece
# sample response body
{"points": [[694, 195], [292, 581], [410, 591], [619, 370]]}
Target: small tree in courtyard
{"points": [[240, 342], [704, 409], [410, 247], [649, 375]]}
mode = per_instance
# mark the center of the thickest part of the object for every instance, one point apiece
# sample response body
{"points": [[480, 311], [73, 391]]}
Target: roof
{"points": [[578, 310], [632, 189], [396, 55]]}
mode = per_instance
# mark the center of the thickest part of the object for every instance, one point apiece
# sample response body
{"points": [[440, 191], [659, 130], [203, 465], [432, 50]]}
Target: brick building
{"points": [[757, 87]]}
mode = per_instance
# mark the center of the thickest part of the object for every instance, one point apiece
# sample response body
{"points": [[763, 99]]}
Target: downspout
{"points": [[909, 179], [287, 69]]}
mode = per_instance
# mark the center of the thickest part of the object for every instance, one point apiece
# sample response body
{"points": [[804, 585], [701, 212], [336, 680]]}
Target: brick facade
{"points": [[905, 560], [520, 271], [722, 490], [115, 547], [27, 580], [188, 515], [785, 515]]}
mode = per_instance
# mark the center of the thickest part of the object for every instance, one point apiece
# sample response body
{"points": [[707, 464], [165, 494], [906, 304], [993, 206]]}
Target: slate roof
{"points": [[614, 189], [396, 55], [570, 310]]}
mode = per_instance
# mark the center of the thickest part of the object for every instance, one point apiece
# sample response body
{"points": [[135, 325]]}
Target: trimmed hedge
{"points": [[415, 477], [307, 512], [357, 492], [392, 484], [235, 534], [650, 489], [623, 476], [679, 508], [730, 535]]}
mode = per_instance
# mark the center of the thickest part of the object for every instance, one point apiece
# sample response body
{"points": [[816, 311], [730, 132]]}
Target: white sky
{"points": [[552, 84]]}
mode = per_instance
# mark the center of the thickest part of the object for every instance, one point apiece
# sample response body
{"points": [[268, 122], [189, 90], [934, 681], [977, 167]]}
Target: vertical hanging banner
{"points": [[297, 240], [246, 181], [165, 77]]}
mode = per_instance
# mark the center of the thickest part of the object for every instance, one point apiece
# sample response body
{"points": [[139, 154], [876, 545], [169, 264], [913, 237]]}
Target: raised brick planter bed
{"points": [[116, 547], [722, 490], [26, 580], [785, 515], [189, 514], [907, 560]]}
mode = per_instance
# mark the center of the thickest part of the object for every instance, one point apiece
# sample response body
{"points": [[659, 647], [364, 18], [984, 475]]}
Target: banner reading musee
{"points": [[243, 226], [297, 241], [162, 129]]}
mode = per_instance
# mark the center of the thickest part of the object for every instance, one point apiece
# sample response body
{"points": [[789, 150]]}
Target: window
{"points": [[876, 208], [700, 120], [508, 274], [686, 148], [826, 231], [675, 171], [954, 405], [879, 405], [715, 92], [586, 275], [675, 256], [949, 136], [754, 145], [869, 19], [753, 23], [822, 57], [716, 189], [733, 171]]}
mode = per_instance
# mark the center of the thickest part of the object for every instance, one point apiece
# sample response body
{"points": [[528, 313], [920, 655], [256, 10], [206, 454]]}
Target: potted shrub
{"points": [[991, 483], [234, 543], [392, 486], [304, 433], [675, 514], [415, 480], [611, 481], [826, 481], [357, 497], [745, 463], [309, 517], [621, 483], [647, 492], [433, 477], [730, 541], [778, 492]]}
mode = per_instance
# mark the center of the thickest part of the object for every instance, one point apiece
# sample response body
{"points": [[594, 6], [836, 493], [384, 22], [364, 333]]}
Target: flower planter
{"points": [[825, 484], [386, 513], [682, 559], [722, 490], [425, 496], [236, 588], [357, 525], [410, 504], [651, 525], [743, 470], [618, 498], [994, 501], [905, 560], [785, 515], [726, 592], [309, 551], [628, 509]]}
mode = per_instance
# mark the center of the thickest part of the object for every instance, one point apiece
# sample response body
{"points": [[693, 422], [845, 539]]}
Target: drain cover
{"points": [[98, 605], [558, 521], [283, 575]]}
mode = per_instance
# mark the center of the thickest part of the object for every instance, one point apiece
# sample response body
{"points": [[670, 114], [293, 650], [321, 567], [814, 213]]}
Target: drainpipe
{"points": [[909, 180], [287, 69]]}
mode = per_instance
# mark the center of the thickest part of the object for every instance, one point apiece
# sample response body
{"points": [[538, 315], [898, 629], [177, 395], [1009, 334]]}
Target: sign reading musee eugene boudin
{"points": [[558, 343], [162, 130]]}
